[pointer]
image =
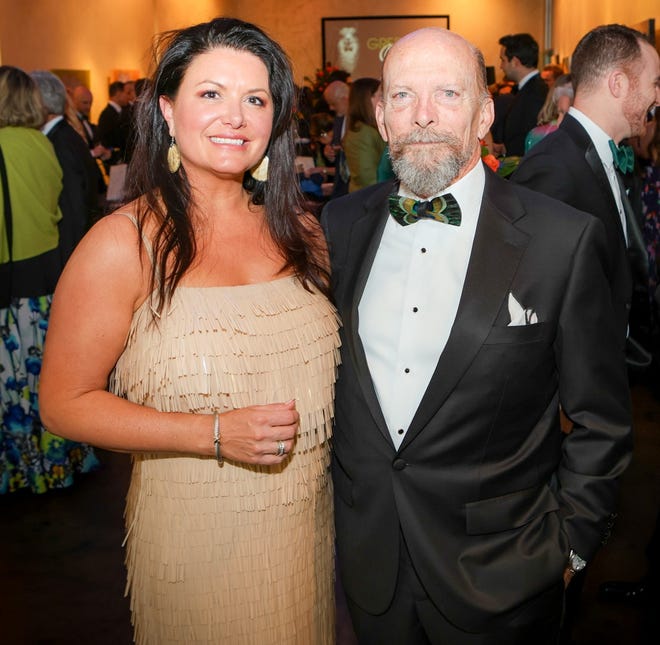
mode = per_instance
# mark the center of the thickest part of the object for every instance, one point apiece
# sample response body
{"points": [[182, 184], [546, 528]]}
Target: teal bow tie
{"points": [[624, 157], [406, 210]]}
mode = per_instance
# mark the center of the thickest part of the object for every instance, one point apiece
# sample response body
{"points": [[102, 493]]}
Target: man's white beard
{"points": [[428, 170]]}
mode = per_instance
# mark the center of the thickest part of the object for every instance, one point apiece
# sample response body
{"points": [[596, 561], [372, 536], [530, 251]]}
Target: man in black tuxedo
{"points": [[113, 128], [616, 77], [519, 56], [78, 200], [81, 99], [462, 510], [615, 74]]}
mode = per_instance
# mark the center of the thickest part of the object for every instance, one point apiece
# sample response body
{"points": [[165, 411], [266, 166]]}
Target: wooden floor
{"points": [[61, 562]]}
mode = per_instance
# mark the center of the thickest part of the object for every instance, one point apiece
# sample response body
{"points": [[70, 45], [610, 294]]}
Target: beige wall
{"points": [[298, 28], [98, 35], [103, 35], [571, 19]]}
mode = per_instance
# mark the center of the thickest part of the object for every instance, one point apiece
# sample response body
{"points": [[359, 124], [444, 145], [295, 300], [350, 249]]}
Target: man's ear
{"points": [[380, 119], [618, 83], [166, 110], [486, 116]]}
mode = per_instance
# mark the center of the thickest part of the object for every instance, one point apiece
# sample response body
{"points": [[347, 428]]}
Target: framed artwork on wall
{"points": [[73, 77], [357, 44]]}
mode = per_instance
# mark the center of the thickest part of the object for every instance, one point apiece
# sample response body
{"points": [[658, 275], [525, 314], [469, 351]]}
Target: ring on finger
{"points": [[280, 449]]}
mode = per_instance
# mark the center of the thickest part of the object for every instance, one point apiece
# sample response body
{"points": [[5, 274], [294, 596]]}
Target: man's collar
{"points": [[49, 125], [598, 136], [526, 78]]}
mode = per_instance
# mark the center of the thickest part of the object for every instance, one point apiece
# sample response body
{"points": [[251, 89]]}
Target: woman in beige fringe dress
{"points": [[202, 304]]}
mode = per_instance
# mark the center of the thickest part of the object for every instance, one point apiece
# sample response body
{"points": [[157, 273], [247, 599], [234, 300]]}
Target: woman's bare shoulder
{"points": [[111, 253]]}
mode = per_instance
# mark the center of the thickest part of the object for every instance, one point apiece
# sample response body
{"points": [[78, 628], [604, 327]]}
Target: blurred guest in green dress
{"points": [[30, 264]]}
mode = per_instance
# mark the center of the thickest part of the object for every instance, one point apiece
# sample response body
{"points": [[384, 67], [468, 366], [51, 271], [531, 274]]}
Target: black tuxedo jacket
{"points": [[79, 198], [487, 492], [91, 139], [112, 131], [566, 166], [522, 115]]}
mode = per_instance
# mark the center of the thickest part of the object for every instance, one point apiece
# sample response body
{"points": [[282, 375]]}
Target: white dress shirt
{"points": [[601, 140], [410, 302]]}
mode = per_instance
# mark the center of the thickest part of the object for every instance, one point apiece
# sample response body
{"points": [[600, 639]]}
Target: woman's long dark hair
{"points": [[168, 195]]}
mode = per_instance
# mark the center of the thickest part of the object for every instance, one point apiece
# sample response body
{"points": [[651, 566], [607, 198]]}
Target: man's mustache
{"points": [[426, 137]]}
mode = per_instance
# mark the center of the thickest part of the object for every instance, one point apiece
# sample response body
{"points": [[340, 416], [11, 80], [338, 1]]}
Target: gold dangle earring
{"points": [[173, 156], [260, 171]]}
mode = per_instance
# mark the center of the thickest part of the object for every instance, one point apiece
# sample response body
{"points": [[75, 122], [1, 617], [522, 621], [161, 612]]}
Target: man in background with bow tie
{"points": [[468, 305], [616, 78]]}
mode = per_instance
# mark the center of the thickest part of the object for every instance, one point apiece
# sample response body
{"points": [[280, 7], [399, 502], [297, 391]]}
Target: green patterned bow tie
{"points": [[406, 210], [624, 157]]}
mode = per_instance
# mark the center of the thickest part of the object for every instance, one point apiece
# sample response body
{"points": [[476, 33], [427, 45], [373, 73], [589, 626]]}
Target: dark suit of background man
{"points": [[616, 76], [461, 508], [113, 128], [78, 199], [519, 56], [81, 99]]}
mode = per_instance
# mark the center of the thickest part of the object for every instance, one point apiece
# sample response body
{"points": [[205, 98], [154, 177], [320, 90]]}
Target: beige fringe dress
{"points": [[235, 554]]}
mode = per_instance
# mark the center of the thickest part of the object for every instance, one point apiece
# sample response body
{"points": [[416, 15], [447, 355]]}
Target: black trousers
{"points": [[412, 619]]}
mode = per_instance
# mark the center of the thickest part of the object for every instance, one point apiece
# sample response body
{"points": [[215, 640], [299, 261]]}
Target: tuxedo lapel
{"points": [[365, 239], [636, 247], [583, 140], [87, 129], [496, 252], [598, 169]]}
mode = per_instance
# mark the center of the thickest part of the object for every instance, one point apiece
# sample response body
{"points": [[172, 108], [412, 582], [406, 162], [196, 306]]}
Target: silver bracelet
{"points": [[216, 438]]}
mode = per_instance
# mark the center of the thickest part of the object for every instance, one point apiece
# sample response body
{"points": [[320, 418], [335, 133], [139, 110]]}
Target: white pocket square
{"points": [[519, 315]]}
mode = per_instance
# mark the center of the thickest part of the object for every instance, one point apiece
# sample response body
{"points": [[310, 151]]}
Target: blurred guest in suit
{"points": [[615, 73], [78, 200], [113, 128], [128, 119], [336, 96], [81, 99], [363, 145], [646, 590], [519, 56]]}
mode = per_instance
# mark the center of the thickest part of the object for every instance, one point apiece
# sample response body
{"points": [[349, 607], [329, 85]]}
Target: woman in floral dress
{"points": [[30, 457]]}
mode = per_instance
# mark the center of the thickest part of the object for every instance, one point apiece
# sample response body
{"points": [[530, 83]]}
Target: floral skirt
{"points": [[30, 456]]}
